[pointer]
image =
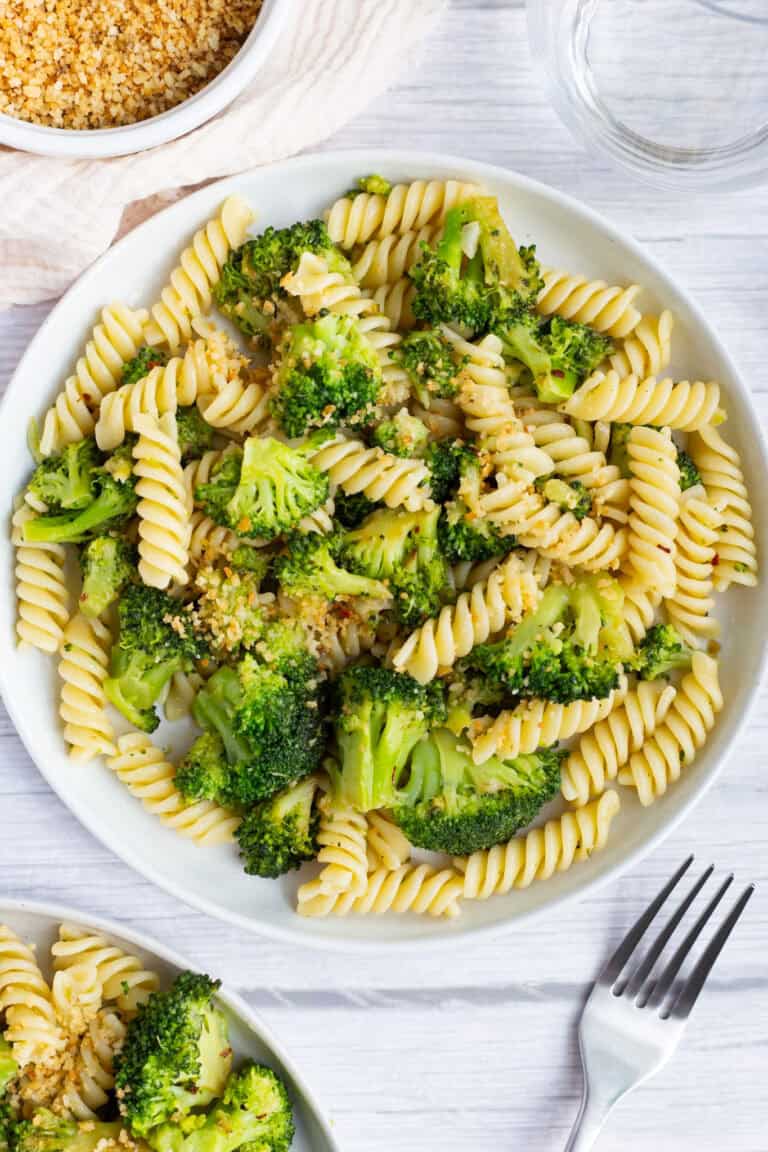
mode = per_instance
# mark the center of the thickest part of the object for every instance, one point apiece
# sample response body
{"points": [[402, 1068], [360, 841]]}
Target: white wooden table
{"points": [[476, 1049]]}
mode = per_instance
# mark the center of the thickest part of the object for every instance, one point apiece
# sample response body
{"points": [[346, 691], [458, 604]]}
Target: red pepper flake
{"points": [[715, 560], [558, 372]]}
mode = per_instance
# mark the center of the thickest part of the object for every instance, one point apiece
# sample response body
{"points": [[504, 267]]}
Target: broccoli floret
{"points": [[142, 364], [431, 365], [402, 435], [195, 435], [380, 718], [250, 279], [9, 1069], [570, 648], [466, 693], [9, 1125], [660, 653], [459, 281], [464, 537], [328, 373], [689, 473], [280, 834], [351, 510], [176, 1054], [254, 1114], [155, 640], [107, 563], [98, 496], [403, 549], [66, 482], [569, 495], [246, 558], [449, 804], [559, 353], [374, 185], [618, 455], [46, 1131], [264, 490], [229, 612], [267, 714], [448, 460], [310, 568]]}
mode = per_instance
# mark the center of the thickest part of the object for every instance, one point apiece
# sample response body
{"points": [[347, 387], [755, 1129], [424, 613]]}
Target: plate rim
{"points": [[373, 159], [61, 913]]}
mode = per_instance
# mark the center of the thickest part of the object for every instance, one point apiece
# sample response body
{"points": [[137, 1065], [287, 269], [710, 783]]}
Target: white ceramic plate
{"points": [[38, 925], [567, 233]]}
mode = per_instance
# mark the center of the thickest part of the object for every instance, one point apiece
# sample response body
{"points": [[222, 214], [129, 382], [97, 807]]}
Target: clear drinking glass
{"points": [[675, 90]]}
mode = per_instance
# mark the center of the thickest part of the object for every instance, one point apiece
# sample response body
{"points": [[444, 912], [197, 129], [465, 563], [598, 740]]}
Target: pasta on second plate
{"points": [[426, 539]]}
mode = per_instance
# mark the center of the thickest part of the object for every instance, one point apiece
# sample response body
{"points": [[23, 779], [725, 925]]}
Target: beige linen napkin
{"points": [[57, 216]]}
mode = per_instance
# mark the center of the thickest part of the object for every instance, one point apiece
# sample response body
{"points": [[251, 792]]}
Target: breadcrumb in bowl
{"points": [[98, 78]]}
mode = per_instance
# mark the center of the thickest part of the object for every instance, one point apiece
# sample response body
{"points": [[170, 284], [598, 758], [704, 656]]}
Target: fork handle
{"points": [[592, 1115]]}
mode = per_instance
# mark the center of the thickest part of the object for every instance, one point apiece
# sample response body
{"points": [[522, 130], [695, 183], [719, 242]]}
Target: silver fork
{"points": [[633, 1020]]}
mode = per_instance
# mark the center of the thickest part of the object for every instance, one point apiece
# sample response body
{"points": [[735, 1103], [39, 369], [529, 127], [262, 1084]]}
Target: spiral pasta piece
{"points": [[654, 499], [506, 596], [148, 776], [388, 847], [209, 540], [443, 418], [76, 994], [574, 458], [395, 301], [482, 362], [237, 405], [164, 526], [25, 999], [648, 350], [396, 481], [90, 1080], [490, 413], [408, 207], [605, 308], [390, 259], [124, 979], [415, 888], [182, 691], [690, 608], [83, 667], [681, 405], [720, 469], [540, 853], [342, 836], [537, 724], [607, 747], [181, 381], [42, 595], [673, 746], [113, 342], [188, 292], [639, 606]]}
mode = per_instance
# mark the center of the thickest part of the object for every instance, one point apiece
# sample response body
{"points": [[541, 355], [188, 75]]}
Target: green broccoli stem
{"points": [[71, 527]]}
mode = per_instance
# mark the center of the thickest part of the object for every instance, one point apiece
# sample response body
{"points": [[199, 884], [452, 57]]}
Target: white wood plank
{"points": [[475, 1048]]}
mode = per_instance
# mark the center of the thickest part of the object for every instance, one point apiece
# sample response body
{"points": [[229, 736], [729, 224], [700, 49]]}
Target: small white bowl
{"points": [[99, 143]]}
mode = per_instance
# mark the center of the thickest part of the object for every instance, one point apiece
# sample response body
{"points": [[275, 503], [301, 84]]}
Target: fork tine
{"points": [[655, 995], [645, 967], [615, 965], [690, 991]]}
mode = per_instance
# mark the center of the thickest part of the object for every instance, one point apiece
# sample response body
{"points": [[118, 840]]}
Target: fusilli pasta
{"points": [[149, 777], [377, 474], [720, 469], [507, 594], [124, 979], [113, 342], [648, 350], [537, 724], [163, 513], [680, 405], [408, 207], [83, 666], [654, 499], [42, 596], [25, 999], [540, 853], [188, 292], [91, 1078], [342, 837], [690, 608], [388, 260], [410, 888], [388, 847], [607, 747], [675, 742], [76, 994], [607, 309]]}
